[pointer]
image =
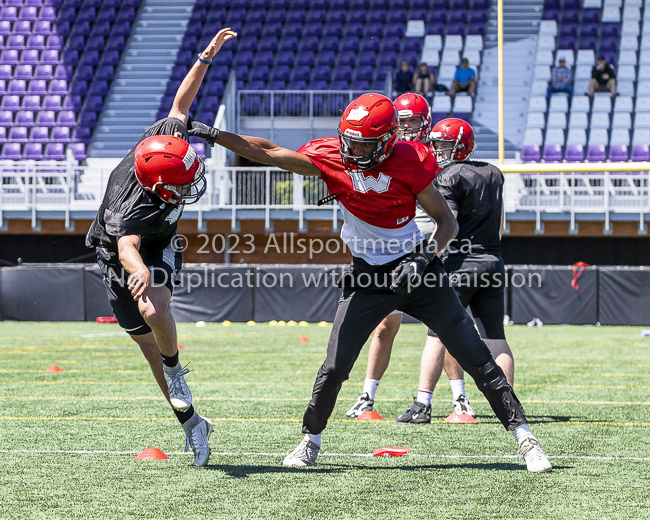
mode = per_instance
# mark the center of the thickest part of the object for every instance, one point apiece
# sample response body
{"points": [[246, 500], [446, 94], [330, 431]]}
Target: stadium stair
{"points": [[521, 24], [142, 76]]}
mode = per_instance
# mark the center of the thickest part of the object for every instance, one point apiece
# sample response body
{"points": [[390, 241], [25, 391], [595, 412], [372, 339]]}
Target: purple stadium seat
{"points": [[58, 86], [378, 84], [241, 72], [567, 42], [574, 153], [552, 153], [77, 43], [306, 58], [596, 153], [50, 56], [343, 73], [101, 29], [85, 15], [54, 151], [350, 44], [326, 58], [370, 45], [260, 73], [281, 73], [43, 72], [17, 87], [10, 57], [244, 58], [71, 103], [39, 134], [124, 29], [478, 17], [48, 13], [6, 72], [297, 84], [79, 150], [610, 29], [361, 85], [376, 18], [62, 71], [309, 43], [456, 28], [88, 120], [24, 72], [296, 18], [569, 29], [52, 102], [43, 27], [95, 43], [289, 44], [6, 118], [223, 58], [285, 59], [5, 28], [85, 72], [10, 103], [18, 134], [46, 118], [31, 102], [322, 73], [589, 29], [79, 88], [83, 135], [458, 17], [36, 41], [640, 153], [62, 28], [3, 87], [364, 73], [12, 151], [88, 58], [587, 42], [618, 153], [28, 13], [530, 153], [393, 29], [16, 41], [475, 28], [269, 43], [318, 85], [98, 88], [67, 15], [105, 73], [256, 85], [24, 118], [368, 59], [550, 14], [117, 43], [277, 85], [106, 15], [347, 58], [608, 43], [9, 13], [210, 104], [570, 15]]}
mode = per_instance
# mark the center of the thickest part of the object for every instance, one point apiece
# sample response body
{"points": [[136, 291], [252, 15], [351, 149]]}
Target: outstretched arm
{"points": [[265, 152], [435, 205], [190, 85]]}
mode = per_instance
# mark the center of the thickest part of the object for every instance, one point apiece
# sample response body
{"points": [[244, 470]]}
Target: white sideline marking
{"points": [[262, 454]]}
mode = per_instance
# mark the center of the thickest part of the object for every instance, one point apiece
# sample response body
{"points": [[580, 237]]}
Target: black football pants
{"points": [[361, 310]]}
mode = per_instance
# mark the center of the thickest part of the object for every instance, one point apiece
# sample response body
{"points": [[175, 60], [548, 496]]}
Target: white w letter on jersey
{"points": [[364, 184], [175, 214]]}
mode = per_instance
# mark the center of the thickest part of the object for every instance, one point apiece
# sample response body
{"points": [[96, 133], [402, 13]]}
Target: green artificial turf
{"points": [[586, 391]]}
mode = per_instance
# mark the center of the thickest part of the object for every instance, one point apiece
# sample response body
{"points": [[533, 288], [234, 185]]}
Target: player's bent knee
{"points": [[490, 377]]}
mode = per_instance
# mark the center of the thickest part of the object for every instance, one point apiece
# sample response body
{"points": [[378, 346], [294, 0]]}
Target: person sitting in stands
{"points": [[561, 80], [425, 81], [603, 78], [464, 80], [403, 77]]}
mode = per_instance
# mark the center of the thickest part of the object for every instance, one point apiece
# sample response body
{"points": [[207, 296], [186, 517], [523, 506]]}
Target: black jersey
{"points": [[475, 190], [128, 209]]}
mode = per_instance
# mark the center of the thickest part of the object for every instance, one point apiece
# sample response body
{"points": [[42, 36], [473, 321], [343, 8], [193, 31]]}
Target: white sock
{"points": [[522, 433], [457, 387], [370, 387], [424, 396], [313, 438]]}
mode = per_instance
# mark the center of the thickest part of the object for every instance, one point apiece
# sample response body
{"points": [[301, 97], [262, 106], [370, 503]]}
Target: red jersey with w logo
{"points": [[383, 196]]}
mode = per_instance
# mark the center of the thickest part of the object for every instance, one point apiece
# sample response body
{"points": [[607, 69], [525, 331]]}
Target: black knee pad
{"points": [[490, 377]]}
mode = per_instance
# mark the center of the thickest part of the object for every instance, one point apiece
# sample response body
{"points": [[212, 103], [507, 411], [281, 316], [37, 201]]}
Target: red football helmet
{"points": [[169, 167], [369, 119], [413, 105], [452, 140]]}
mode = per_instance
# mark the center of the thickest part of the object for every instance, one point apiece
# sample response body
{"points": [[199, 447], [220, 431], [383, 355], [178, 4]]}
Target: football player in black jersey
{"points": [[134, 234]]}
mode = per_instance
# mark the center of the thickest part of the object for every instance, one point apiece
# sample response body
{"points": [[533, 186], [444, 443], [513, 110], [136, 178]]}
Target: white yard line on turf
{"points": [[262, 454]]}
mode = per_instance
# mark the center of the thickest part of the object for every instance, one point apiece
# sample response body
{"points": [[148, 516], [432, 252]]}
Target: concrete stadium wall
{"points": [[217, 292]]}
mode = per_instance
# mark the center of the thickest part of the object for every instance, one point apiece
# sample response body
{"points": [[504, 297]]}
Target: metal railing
{"points": [[65, 190]]}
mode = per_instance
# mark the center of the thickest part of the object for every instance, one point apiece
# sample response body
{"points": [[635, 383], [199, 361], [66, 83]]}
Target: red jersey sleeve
{"points": [[324, 153], [427, 170]]}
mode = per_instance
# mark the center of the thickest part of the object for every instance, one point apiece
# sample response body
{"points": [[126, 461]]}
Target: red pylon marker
{"points": [[181, 347], [303, 339], [370, 415], [54, 368], [460, 418], [390, 452], [152, 454]]}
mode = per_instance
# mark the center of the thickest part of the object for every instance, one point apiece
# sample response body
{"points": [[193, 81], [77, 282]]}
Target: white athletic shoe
{"points": [[304, 455], [531, 451], [363, 404], [180, 396], [199, 439], [461, 406]]}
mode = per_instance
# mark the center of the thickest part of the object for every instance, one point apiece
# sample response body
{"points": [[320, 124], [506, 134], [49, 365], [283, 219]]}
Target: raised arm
{"points": [[190, 85], [265, 152], [435, 205]]}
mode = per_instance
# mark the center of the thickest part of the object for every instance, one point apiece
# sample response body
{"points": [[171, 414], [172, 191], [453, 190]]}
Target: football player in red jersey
{"points": [[134, 233], [415, 124], [377, 181]]}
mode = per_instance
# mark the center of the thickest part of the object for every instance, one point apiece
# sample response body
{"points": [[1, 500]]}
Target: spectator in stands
{"points": [[603, 78], [464, 80], [425, 81], [403, 78], [561, 80]]}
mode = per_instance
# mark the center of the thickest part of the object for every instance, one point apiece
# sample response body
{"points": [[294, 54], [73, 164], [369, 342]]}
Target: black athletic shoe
{"points": [[419, 413]]}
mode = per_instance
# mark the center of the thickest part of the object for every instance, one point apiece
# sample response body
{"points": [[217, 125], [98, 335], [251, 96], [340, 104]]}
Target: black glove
{"points": [[202, 131], [408, 274]]}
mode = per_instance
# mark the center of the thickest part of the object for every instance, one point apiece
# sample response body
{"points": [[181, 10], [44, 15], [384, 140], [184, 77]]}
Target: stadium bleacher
{"points": [[580, 129], [57, 61], [338, 45]]}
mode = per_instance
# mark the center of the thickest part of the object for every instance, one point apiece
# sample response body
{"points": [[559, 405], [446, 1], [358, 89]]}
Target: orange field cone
{"points": [[460, 418], [370, 415], [390, 452], [181, 347], [106, 319], [54, 368], [152, 454], [303, 339]]}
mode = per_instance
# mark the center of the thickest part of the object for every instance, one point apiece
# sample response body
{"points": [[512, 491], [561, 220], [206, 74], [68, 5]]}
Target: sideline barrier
{"points": [[239, 293]]}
